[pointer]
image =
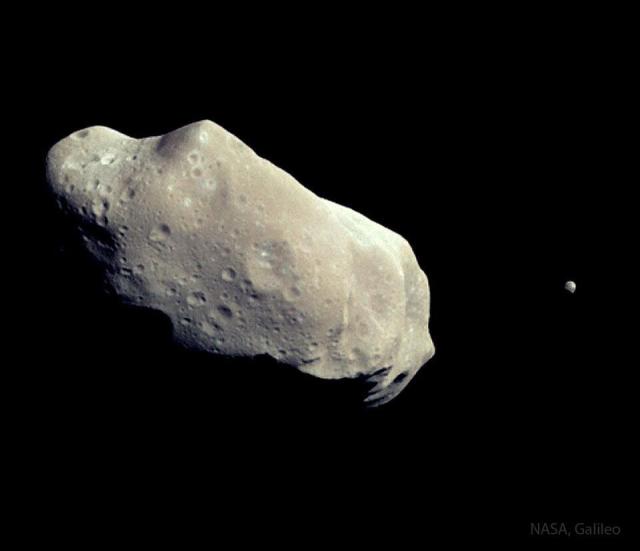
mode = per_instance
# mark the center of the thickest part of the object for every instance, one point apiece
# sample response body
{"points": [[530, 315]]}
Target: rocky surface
{"points": [[242, 258]]}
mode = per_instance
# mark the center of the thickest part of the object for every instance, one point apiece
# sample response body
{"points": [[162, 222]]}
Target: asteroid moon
{"points": [[242, 258]]}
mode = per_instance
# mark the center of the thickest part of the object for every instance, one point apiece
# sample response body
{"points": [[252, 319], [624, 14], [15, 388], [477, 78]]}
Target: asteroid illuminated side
{"points": [[242, 258]]}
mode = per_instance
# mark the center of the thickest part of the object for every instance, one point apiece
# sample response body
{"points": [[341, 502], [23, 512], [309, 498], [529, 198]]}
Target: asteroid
{"points": [[570, 286], [242, 258]]}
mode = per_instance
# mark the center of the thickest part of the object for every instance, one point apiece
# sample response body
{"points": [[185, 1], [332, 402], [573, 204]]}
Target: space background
{"points": [[500, 161]]}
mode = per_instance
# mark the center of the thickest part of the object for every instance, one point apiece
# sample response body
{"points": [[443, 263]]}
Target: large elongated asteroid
{"points": [[242, 258]]}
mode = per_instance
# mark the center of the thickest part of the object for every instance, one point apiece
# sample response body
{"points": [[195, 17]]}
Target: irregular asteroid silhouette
{"points": [[242, 258]]}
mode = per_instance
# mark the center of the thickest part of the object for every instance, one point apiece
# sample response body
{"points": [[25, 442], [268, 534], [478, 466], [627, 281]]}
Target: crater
{"points": [[196, 298], [160, 233], [225, 311], [228, 274]]}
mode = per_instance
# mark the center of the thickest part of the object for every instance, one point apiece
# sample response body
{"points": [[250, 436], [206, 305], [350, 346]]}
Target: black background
{"points": [[495, 150]]}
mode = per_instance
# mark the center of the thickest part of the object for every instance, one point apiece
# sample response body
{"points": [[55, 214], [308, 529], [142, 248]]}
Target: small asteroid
{"points": [[570, 286]]}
